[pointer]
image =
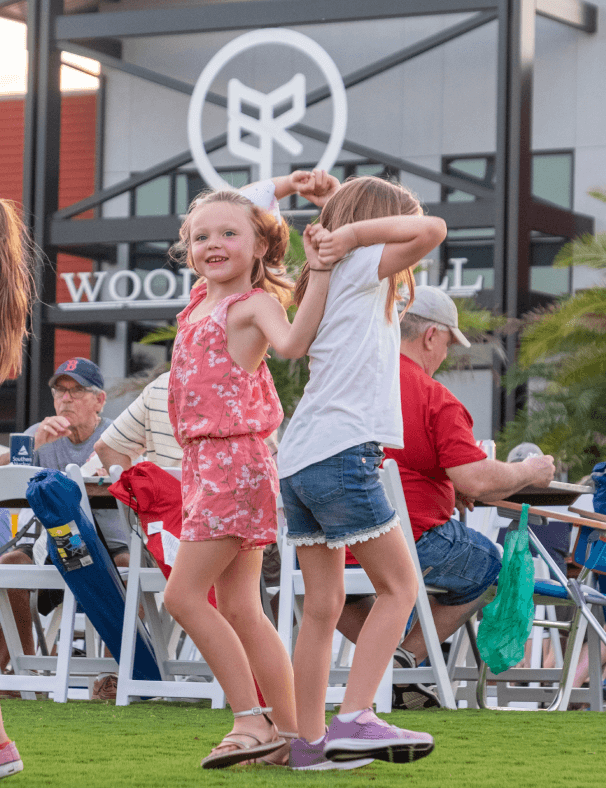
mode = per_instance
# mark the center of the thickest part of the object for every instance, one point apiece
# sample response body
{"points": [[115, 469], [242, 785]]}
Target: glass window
{"points": [[181, 194], [552, 178], [153, 198], [543, 277], [552, 173], [237, 178]]}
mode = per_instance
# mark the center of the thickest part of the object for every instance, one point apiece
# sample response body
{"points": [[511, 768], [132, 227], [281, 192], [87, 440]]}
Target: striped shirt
{"points": [[144, 427]]}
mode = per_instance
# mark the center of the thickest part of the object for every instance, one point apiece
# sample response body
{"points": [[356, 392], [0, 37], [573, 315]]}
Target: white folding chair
{"points": [[144, 584], [436, 673], [13, 485]]}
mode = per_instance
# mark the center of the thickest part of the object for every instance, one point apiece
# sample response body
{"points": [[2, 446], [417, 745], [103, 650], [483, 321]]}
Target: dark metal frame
{"points": [[509, 208]]}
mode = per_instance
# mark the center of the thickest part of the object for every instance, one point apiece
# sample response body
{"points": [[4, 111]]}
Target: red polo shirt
{"points": [[437, 434]]}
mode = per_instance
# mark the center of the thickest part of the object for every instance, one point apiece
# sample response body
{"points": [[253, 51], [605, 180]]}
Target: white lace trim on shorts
{"points": [[310, 541]]}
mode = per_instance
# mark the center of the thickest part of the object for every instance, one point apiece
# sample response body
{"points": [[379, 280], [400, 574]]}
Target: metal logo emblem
{"points": [[267, 127]]}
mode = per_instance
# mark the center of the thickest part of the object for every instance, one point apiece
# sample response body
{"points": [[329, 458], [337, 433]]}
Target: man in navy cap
{"points": [[67, 437], [70, 435]]}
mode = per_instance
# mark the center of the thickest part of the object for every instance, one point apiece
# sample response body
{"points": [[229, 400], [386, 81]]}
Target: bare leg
{"points": [[239, 600], [19, 599], [3, 737], [582, 673], [197, 567], [447, 618], [354, 615], [388, 564], [324, 597]]}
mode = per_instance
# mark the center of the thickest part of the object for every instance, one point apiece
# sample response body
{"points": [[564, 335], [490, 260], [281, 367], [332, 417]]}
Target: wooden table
{"points": [[97, 489], [516, 508]]}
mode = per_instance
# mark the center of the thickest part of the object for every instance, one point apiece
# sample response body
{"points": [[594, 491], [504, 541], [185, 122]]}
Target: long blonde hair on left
{"points": [[16, 288], [368, 197]]}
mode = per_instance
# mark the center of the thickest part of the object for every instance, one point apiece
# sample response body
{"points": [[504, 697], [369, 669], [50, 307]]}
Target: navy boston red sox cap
{"points": [[82, 370]]}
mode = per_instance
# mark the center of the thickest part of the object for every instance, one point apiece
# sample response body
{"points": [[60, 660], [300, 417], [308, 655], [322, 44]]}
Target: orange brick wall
{"points": [[76, 181]]}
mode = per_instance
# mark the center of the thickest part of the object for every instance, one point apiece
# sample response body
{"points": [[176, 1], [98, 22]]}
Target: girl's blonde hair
{"points": [[367, 197], [16, 288], [269, 272]]}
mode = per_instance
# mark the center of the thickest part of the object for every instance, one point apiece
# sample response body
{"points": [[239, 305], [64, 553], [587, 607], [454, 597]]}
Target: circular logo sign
{"points": [[267, 127]]}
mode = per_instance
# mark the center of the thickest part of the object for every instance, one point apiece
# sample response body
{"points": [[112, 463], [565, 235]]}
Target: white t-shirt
{"points": [[353, 394]]}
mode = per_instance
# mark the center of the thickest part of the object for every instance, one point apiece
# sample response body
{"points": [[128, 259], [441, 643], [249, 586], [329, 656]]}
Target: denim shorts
{"points": [[460, 560], [338, 501]]}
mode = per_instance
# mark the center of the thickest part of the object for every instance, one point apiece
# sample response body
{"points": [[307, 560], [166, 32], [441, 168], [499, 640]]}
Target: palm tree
{"points": [[565, 348]]}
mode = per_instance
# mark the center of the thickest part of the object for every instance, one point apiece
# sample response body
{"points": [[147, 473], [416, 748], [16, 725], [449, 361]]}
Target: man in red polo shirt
{"points": [[441, 465]]}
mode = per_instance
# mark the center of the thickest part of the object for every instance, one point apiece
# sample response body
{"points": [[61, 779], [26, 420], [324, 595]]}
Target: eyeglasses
{"points": [[76, 392]]}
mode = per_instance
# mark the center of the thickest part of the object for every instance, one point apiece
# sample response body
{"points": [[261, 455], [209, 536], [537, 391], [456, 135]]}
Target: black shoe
{"points": [[411, 696]]}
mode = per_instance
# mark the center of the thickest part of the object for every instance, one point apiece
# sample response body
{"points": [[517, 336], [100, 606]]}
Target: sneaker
{"points": [[411, 696], [106, 687], [369, 737], [10, 760], [304, 755]]}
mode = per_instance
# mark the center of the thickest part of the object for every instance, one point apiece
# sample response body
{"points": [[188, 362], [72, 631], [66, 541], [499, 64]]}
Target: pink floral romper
{"points": [[221, 414]]}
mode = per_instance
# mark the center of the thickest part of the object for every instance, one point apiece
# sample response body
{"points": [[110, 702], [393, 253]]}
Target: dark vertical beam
{"points": [[513, 169], [99, 167], [29, 191], [46, 202]]}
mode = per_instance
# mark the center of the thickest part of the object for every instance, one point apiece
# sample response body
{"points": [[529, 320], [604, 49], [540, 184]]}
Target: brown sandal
{"points": [[244, 751]]}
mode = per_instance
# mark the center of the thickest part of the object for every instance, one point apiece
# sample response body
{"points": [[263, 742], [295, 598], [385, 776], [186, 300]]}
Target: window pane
{"points": [[474, 167], [153, 198], [369, 169], [236, 178], [149, 256], [458, 196], [181, 196], [552, 178], [543, 277]]}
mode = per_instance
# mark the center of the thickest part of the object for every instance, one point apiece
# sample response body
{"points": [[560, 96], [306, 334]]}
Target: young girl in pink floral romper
{"points": [[222, 404]]}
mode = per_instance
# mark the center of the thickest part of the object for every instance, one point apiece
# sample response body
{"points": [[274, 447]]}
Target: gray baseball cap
{"points": [[433, 304], [522, 451]]}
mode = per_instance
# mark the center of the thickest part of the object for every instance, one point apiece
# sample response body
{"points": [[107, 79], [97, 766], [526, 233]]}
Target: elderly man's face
{"points": [[79, 412]]}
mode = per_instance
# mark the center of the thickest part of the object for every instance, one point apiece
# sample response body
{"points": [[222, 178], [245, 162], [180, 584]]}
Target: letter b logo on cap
{"points": [[71, 365]]}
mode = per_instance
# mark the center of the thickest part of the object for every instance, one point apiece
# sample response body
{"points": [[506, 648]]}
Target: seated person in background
{"points": [[441, 464], [67, 437], [143, 428]]}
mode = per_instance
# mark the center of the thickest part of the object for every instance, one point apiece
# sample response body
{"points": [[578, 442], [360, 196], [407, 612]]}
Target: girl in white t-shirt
{"points": [[328, 465]]}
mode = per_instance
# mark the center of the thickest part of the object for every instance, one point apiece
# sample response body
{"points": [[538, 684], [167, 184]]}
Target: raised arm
{"points": [[407, 240], [317, 186], [491, 480], [292, 340]]}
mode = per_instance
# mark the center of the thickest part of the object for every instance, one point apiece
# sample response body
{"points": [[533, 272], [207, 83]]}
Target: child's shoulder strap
{"points": [[219, 313], [197, 294]]}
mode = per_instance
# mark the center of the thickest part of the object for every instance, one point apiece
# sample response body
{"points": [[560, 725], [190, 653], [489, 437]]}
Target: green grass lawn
{"points": [[147, 745]]}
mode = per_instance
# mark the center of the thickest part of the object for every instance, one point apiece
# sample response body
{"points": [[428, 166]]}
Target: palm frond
{"points": [[161, 334], [565, 327], [599, 193], [586, 367], [587, 250]]}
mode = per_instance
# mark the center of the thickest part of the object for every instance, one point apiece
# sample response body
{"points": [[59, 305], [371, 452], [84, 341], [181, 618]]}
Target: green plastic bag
{"points": [[507, 620]]}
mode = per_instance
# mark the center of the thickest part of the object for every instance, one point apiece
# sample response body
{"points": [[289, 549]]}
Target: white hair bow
{"points": [[263, 194]]}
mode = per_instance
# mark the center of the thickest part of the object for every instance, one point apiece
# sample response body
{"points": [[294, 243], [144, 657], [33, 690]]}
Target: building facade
{"points": [[493, 113]]}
